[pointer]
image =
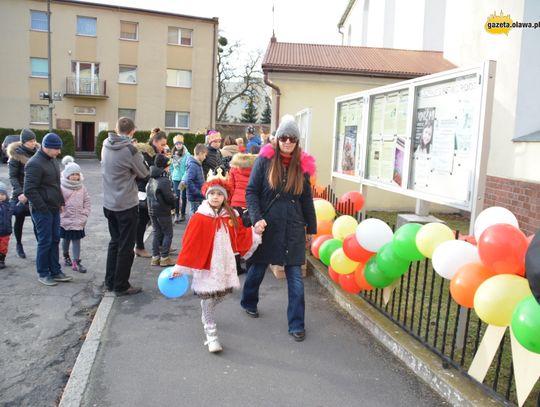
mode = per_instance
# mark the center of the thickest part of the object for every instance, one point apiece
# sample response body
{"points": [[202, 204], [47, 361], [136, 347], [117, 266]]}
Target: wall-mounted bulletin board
{"points": [[426, 138]]}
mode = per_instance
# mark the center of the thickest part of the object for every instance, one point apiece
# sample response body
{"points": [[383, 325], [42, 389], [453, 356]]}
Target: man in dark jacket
{"points": [[42, 188], [213, 159]]}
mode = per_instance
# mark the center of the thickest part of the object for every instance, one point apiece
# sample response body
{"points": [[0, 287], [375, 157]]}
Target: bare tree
{"points": [[248, 78]]}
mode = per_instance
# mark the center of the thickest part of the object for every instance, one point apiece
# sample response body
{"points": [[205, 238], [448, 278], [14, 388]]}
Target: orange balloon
{"points": [[360, 278], [466, 281], [316, 244], [333, 275], [324, 227]]}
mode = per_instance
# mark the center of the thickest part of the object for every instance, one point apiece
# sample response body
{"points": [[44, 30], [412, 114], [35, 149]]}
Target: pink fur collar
{"points": [[307, 160]]}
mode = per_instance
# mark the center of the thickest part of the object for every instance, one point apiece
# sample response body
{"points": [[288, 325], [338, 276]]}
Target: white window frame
{"points": [[44, 108], [179, 36], [32, 74], [178, 83], [136, 31], [94, 78], [32, 28], [87, 18], [176, 120], [120, 77]]}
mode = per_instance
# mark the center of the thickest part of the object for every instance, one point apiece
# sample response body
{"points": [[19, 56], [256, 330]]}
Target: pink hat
{"points": [[212, 136]]}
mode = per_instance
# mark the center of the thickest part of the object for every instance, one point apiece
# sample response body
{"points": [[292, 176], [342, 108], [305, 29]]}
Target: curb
{"points": [[452, 385]]}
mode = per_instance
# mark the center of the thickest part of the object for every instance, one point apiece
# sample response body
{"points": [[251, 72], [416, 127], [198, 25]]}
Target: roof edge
{"points": [[344, 72]]}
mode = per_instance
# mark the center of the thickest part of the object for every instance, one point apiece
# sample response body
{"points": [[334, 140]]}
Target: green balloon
{"points": [[405, 242], [327, 248], [389, 263], [374, 276], [526, 324]]}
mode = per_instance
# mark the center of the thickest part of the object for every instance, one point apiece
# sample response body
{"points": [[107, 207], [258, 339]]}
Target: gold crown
{"points": [[217, 176]]}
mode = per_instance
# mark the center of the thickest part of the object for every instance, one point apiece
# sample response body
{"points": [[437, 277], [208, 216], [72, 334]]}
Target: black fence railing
{"points": [[85, 87], [421, 305]]}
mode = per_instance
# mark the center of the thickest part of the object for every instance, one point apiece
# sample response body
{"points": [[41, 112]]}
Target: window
{"points": [[179, 78], [40, 67], [38, 20], [180, 36], [127, 113], [86, 26], [127, 74], [177, 120], [39, 114], [128, 30]]}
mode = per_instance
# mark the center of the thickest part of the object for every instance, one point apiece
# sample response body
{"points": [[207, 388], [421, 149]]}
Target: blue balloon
{"points": [[172, 287]]}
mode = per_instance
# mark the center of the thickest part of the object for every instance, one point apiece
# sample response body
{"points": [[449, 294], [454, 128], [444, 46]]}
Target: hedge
{"points": [[65, 135]]}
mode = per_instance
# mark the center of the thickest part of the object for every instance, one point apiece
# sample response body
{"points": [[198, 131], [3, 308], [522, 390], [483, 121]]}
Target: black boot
{"points": [[77, 266], [2, 261], [20, 251], [67, 260]]}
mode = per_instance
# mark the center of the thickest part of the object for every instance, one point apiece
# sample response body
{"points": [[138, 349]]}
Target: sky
{"points": [[250, 22]]}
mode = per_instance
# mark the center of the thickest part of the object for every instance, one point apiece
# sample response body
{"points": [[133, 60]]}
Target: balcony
{"points": [[85, 88]]}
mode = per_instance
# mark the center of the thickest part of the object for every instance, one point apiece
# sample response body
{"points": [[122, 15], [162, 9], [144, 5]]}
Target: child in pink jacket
{"points": [[75, 215]]}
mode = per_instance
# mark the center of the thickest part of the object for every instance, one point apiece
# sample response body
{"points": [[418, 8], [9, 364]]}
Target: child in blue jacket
{"points": [[6, 212]]}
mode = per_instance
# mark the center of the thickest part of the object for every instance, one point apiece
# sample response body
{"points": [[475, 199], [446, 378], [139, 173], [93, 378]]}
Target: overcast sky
{"points": [[251, 21]]}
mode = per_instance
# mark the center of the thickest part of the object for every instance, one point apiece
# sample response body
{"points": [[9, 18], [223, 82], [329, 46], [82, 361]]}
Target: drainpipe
{"points": [[341, 33], [213, 111], [278, 97]]}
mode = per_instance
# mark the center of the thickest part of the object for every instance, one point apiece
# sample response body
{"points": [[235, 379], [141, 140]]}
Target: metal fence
{"points": [[85, 86], [421, 305]]}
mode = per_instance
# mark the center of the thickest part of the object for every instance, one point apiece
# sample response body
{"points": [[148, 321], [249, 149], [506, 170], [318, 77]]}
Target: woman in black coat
{"points": [[280, 204]]}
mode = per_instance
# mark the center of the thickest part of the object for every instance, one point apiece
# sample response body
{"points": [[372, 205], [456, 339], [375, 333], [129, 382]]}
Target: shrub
{"points": [[65, 135]]}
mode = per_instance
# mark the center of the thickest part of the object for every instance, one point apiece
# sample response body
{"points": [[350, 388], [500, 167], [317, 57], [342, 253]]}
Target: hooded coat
{"points": [[288, 219], [159, 193], [18, 157], [241, 165]]}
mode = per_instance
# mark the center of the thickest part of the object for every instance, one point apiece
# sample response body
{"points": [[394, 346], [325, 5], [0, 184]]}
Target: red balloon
{"points": [[316, 244], [356, 199], [333, 275], [468, 238], [360, 278], [502, 249], [354, 251], [347, 282]]}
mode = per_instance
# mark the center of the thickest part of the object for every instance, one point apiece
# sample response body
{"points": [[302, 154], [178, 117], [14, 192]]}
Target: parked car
{"points": [[7, 141]]}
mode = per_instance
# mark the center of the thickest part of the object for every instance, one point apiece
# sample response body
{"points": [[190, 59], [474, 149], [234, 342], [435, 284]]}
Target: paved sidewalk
{"points": [[152, 354]]}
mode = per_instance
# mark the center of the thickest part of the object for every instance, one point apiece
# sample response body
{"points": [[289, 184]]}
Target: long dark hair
{"points": [[295, 176]]}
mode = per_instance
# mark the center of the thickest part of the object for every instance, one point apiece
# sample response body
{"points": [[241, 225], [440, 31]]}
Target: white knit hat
{"points": [[71, 167], [288, 127]]}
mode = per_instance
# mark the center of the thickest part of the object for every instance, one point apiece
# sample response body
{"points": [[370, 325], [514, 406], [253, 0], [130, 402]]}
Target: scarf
{"points": [[69, 184]]}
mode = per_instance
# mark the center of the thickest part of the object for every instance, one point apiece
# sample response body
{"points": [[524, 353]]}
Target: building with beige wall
{"points": [[106, 62]]}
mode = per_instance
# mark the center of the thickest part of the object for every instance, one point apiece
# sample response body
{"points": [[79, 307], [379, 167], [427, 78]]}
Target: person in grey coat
{"points": [[121, 166], [280, 203]]}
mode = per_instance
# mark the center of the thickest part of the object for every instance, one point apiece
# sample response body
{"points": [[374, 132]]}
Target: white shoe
{"points": [[212, 339]]}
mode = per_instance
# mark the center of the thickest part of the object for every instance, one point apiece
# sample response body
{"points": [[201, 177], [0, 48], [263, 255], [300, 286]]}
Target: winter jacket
{"points": [[121, 166], [76, 209], [149, 154], [228, 151], [18, 157], [5, 218], [288, 219], [255, 141], [159, 193], [241, 165], [194, 180], [212, 161], [178, 166], [42, 183]]}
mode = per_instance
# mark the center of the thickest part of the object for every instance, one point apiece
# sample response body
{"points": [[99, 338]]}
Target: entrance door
{"points": [[84, 136]]}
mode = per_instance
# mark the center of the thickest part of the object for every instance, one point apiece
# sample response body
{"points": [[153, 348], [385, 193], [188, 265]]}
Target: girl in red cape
{"points": [[212, 238]]}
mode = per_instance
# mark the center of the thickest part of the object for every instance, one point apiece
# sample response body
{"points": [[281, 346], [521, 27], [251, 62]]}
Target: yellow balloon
{"points": [[431, 235], [496, 298], [341, 263], [343, 227], [324, 210]]}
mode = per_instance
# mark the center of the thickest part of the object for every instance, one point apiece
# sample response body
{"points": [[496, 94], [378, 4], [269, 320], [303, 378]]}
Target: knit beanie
{"points": [[250, 130], [288, 127], [161, 161], [178, 139], [3, 188], [27, 135], [52, 140], [70, 167]]}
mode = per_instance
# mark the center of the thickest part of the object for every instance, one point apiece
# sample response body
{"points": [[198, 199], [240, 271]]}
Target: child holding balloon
{"points": [[213, 236]]}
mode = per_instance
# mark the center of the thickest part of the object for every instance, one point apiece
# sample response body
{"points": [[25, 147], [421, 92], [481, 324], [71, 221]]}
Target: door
{"points": [[84, 136]]}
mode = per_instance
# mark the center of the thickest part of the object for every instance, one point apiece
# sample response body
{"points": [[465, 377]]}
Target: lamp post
{"points": [[51, 105]]}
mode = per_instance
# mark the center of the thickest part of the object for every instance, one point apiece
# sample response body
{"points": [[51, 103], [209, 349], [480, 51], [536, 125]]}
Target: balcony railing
{"points": [[85, 87]]}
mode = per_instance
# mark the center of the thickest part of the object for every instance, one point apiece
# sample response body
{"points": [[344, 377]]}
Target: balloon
{"points": [[354, 251], [468, 238], [360, 278], [492, 216], [316, 244], [172, 287], [389, 263], [530, 239], [333, 275], [324, 210], [355, 198], [526, 324], [327, 248], [324, 227], [343, 226], [466, 281], [502, 248], [449, 256], [496, 298], [431, 235], [341, 263], [372, 233], [347, 282], [374, 276], [404, 242]]}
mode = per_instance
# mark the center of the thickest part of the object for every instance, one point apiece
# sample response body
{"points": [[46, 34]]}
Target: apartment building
{"points": [[106, 61]]}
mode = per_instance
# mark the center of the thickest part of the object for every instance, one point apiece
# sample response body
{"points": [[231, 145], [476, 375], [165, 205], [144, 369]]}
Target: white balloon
{"points": [[451, 255], [373, 233], [492, 216]]}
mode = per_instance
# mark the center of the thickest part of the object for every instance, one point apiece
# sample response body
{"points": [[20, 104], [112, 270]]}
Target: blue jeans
{"points": [[180, 209], [47, 230], [295, 283], [193, 206]]}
